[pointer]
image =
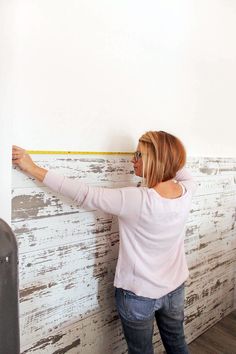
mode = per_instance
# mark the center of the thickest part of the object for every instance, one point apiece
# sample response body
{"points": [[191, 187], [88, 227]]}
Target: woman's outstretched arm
{"points": [[106, 199]]}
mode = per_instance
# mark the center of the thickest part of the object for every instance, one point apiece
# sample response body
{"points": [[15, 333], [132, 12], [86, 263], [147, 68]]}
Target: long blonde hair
{"points": [[163, 155]]}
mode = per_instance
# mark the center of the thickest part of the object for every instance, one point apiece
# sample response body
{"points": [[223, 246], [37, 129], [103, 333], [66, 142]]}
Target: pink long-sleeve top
{"points": [[151, 259]]}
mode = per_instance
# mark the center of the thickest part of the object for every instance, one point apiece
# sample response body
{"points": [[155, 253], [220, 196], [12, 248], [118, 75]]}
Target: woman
{"points": [[151, 268]]}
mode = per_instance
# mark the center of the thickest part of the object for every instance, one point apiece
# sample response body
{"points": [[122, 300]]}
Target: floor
{"points": [[220, 339]]}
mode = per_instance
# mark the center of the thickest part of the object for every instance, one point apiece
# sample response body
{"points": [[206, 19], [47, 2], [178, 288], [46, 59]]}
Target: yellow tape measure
{"points": [[44, 152]]}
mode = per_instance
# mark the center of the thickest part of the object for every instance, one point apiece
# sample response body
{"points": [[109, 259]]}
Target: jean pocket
{"points": [[138, 307], [176, 299]]}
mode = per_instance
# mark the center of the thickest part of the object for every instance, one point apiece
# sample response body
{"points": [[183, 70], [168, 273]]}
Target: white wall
{"points": [[5, 174], [6, 106], [92, 75]]}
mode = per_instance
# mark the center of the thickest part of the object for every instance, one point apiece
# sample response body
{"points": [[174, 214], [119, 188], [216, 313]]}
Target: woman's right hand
{"points": [[21, 159]]}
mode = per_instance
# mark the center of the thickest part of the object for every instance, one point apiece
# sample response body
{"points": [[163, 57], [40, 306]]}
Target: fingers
{"points": [[16, 161], [17, 155], [17, 152]]}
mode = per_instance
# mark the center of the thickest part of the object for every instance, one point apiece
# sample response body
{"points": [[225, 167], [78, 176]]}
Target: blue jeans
{"points": [[137, 317]]}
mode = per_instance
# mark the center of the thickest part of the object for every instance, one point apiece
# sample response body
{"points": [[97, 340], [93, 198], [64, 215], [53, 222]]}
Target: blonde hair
{"points": [[163, 155]]}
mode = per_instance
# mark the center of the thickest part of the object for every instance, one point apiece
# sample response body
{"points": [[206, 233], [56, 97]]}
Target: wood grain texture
{"points": [[67, 256]]}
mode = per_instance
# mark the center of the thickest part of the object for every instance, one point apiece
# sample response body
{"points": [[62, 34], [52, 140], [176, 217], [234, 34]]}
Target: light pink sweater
{"points": [[151, 260]]}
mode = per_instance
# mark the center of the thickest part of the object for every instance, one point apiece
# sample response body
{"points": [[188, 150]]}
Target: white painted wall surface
{"points": [[92, 75], [6, 106], [5, 173]]}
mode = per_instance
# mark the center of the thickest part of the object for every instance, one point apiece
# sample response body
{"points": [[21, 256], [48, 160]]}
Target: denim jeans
{"points": [[137, 315]]}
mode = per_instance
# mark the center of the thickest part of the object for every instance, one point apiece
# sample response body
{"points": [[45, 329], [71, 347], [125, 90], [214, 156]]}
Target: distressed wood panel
{"points": [[96, 170], [68, 256]]}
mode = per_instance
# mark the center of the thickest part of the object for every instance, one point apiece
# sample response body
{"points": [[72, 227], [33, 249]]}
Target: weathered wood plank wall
{"points": [[68, 256]]}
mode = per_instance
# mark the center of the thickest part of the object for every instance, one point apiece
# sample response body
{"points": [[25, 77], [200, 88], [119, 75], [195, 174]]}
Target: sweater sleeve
{"points": [[186, 179], [106, 199]]}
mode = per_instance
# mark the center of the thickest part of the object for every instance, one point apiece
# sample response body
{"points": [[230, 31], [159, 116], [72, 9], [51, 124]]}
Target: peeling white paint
{"points": [[68, 256]]}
